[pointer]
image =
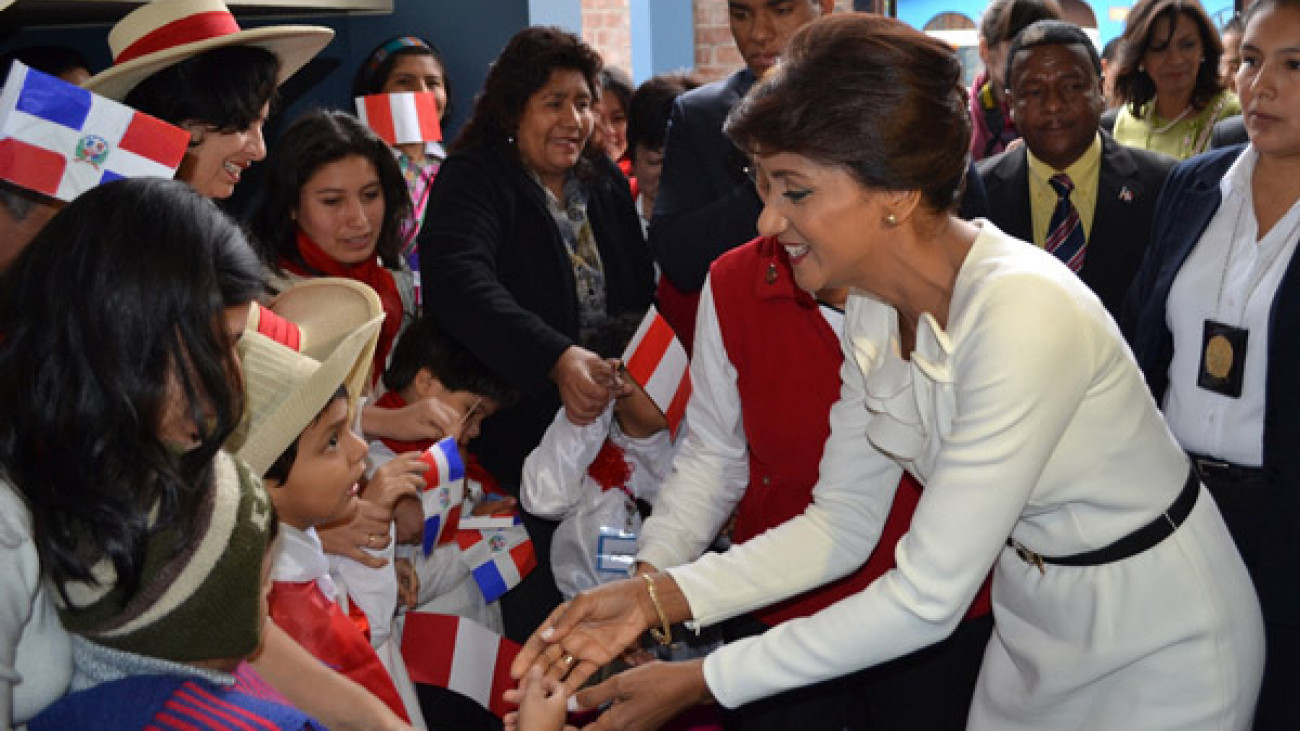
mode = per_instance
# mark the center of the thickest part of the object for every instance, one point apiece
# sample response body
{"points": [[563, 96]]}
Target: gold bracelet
{"points": [[664, 635]]}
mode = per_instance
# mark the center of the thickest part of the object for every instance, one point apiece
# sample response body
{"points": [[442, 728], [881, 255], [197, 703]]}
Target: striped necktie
{"points": [[1065, 230]]}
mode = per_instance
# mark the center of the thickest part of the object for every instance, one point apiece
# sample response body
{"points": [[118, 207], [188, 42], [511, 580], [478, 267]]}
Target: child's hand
{"points": [[425, 419], [408, 583], [489, 507], [543, 704], [402, 476]]}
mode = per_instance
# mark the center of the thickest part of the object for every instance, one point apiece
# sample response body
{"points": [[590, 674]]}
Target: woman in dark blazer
{"points": [[528, 245], [1216, 333]]}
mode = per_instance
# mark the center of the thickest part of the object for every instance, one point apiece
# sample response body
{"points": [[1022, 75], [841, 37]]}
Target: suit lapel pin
{"points": [[1125, 194], [770, 275]]}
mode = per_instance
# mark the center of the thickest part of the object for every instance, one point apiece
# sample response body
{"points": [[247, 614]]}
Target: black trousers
{"points": [[928, 690], [1251, 507]]}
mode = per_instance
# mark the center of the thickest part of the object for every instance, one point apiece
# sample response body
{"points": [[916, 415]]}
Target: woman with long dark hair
{"points": [[113, 411], [1168, 79]]}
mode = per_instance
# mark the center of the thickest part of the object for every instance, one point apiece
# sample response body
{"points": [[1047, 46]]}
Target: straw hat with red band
{"points": [[165, 32]]}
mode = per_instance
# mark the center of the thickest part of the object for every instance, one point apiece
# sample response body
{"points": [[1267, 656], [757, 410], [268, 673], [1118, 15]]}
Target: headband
{"points": [[382, 53]]}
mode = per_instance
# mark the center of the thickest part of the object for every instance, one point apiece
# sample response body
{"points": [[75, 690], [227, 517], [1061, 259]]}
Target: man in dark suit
{"points": [[706, 204], [1054, 78]]}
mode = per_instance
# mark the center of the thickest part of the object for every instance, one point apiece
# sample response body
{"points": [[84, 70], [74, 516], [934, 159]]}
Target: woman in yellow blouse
{"points": [[1168, 78]]}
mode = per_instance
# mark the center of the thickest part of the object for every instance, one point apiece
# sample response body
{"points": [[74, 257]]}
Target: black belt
{"points": [[1131, 544], [1212, 469]]}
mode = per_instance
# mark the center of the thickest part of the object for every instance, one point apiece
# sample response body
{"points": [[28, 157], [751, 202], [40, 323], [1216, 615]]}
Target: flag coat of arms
{"points": [[61, 140], [459, 654], [498, 559], [657, 361], [406, 117], [444, 493]]}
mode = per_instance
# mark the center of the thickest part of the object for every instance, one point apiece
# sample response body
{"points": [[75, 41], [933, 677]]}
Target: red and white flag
{"points": [[411, 116], [657, 361], [498, 559], [459, 654], [61, 140]]}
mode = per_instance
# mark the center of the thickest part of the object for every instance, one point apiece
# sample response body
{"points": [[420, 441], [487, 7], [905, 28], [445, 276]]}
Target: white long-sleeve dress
{"points": [[1025, 417]]}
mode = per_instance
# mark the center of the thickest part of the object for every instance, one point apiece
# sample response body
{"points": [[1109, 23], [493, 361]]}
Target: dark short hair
{"points": [[52, 60], [373, 72], [1235, 24], [314, 140], [1003, 19], [147, 267], [522, 69], [614, 80], [610, 338], [224, 89], [650, 108], [1051, 33], [868, 94], [425, 345], [1133, 84]]}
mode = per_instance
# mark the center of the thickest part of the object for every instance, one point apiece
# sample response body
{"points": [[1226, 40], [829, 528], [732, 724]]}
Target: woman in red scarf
{"points": [[334, 206]]}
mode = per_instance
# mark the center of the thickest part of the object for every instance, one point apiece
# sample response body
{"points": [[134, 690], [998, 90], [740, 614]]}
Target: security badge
{"points": [[1223, 359]]}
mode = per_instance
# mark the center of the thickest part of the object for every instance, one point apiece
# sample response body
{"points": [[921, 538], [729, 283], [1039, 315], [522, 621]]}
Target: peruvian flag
{"points": [[444, 493], [461, 655], [658, 362], [61, 140], [411, 116], [498, 559]]}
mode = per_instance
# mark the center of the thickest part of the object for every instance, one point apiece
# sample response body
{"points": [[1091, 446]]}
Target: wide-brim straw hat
{"points": [[165, 32], [293, 368]]}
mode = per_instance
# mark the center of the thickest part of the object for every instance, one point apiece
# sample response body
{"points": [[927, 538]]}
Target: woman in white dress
{"points": [[984, 367]]}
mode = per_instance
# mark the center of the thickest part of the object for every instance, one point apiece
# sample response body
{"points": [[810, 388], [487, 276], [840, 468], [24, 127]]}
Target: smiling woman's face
{"points": [[214, 165], [555, 125]]}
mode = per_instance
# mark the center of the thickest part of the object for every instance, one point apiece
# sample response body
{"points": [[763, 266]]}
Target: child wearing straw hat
{"points": [[298, 438]]}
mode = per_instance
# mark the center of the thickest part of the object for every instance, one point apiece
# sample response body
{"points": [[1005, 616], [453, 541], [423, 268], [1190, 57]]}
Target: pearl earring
{"points": [[891, 219]]}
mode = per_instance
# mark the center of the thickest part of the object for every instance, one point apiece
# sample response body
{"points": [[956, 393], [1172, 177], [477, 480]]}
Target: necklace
{"points": [[1170, 124]]}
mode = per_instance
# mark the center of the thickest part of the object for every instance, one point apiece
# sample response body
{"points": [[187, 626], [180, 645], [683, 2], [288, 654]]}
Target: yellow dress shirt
{"points": [[1084, 173]]}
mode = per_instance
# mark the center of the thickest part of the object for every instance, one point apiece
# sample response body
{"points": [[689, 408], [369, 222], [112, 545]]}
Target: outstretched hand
{"points": [[543, 704], [647, 697], [582, 636]]}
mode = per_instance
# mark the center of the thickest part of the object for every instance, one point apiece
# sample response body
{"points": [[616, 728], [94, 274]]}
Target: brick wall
{"points": [[606, 26]]}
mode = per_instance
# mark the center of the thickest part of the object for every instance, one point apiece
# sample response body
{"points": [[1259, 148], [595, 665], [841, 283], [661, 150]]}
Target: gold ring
{"points": [[568, 660], [370, 540]]}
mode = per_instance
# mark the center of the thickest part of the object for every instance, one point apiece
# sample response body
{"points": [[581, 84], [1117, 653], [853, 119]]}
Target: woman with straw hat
{"points": [[189, 63]]}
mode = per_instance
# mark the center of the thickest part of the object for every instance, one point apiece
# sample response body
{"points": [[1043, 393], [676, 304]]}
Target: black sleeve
{"points": [[693, 222], [468, 224]]}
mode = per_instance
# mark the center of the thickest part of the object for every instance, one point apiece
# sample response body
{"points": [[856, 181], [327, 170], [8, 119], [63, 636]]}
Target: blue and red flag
{"points": [[61, 140], [444, 493]]}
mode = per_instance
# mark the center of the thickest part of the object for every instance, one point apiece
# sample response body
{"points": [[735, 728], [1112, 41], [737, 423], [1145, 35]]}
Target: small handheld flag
{"points": [[498, 559], [444, 493], [458, 654], [657, 361], [402, 118], [61, 140]]}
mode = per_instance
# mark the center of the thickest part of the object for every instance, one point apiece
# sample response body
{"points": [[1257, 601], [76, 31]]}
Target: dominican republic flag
{"points": [[658, 362], [444, 493], [461, 655], [61, 140], [498, 559], [411, 116]]}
